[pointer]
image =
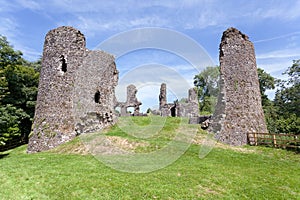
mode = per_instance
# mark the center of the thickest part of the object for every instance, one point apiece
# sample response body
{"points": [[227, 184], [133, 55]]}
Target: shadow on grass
{"points": [[3, 155], [295, 149]]}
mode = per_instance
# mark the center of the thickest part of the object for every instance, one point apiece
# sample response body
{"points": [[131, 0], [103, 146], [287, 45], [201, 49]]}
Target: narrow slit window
{"points": [[97, 97], [63, 63]]}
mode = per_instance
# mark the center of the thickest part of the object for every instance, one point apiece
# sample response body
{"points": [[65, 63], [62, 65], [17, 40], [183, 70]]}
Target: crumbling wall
{"points": [[238, 110], [131, 101], [70, 79], [162, 95], [95, 92], [166, 109], [190, 108]]}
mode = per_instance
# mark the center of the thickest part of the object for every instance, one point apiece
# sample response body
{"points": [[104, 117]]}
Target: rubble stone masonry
{"points": [[238, 110], [76, 90]]}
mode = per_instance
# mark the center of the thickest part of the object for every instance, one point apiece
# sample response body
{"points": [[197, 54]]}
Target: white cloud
{"points": [[275, 68], [7, 6], [95, 17], [284, 53], [290, 36], [8, 27], [109, 15], [29, 4], [283, 10]]}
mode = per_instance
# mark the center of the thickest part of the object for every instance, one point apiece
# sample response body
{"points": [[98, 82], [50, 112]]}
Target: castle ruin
{"points": [[189, 108], [76, 90], [131, 101], [238, 110]]}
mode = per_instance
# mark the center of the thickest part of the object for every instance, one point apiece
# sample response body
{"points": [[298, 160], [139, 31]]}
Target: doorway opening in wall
{"points": [[130, 110], [118, 110], [173, 111]]}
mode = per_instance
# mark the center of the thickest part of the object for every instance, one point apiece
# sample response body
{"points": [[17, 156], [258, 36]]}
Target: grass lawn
{"points": [[69, 172]]}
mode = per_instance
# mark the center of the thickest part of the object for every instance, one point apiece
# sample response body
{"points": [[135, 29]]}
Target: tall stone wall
{"points": [[239, 109], [76, 90]]}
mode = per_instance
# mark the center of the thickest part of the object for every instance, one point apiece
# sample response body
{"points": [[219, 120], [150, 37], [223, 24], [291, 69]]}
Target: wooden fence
{"points": [[275, 140], [12, 144]]}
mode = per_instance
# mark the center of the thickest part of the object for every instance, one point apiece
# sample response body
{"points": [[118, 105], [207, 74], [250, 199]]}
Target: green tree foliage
{"points": [[22, 85], [8, 56], [37, 65], [3, 85], [287, 101], [207, 84], [18, 91], [290, 124], [10, 124], [288, 97], [282, 115], [266, 82]]}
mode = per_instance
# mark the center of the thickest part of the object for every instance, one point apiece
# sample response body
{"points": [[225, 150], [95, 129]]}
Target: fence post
{"points": [[255, 139], [274, 140]]}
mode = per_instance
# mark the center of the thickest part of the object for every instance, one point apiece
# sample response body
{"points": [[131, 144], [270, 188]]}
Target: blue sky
{"points": [[272, 25]]}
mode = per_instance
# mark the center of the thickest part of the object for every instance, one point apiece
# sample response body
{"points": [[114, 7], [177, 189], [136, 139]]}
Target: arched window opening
{"points": [[130, 110]]}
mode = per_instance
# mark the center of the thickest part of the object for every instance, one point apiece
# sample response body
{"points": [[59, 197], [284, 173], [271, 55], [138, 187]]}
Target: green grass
{"points": [[225, 173]]}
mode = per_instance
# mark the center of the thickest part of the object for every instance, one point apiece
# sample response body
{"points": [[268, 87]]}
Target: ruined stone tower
{"points": [[162, 96], [238, 110], [76, 90]]}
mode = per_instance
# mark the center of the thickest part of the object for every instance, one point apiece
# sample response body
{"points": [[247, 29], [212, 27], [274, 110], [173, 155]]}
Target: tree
{"points": [[3, 85], [289, 124], [288, 97], [266, 82], [18, 92], [207, 84], [8, 56], [287, 101], [10, 124], [22, 85]]}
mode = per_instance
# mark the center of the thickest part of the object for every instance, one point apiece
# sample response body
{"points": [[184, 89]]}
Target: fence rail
{"points": [[12, 144], [275, 140]]}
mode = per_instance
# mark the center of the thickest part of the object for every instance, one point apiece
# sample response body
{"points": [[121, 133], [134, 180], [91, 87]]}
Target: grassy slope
{"points": [[253, 173]]}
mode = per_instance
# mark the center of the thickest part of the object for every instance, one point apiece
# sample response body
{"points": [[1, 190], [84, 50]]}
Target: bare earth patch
{"points": [[72, 148], [111, 145], [200, 138], [125, 143]]}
